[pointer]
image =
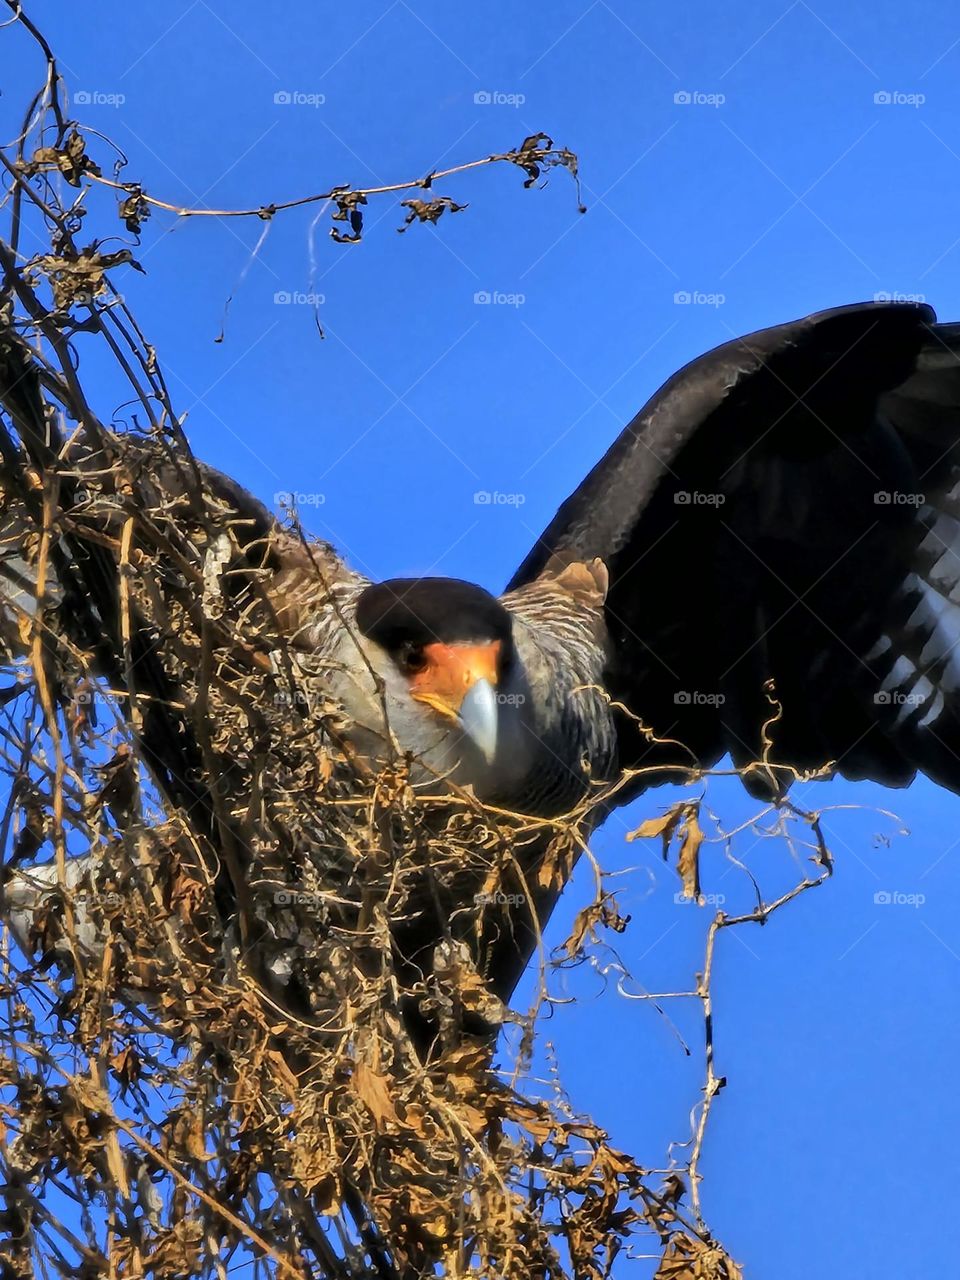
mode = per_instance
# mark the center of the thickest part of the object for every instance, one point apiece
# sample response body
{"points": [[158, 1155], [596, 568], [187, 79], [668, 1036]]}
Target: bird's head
{"points": [[448, 646]]}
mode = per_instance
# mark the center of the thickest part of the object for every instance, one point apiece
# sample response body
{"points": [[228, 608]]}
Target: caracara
{"points": [[778, 526]]}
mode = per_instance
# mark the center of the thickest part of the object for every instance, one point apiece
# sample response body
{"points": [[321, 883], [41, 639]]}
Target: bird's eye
{"points": [[411, 659]]}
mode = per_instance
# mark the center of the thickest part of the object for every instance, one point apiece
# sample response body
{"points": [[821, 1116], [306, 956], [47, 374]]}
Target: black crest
{"points": [[420, 611]]}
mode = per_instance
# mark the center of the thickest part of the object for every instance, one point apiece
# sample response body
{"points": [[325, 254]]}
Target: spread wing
{"points": [[787, 508]]}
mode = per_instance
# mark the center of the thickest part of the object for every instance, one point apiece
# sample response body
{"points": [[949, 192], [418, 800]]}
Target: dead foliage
{"points": [[254, 1022]]}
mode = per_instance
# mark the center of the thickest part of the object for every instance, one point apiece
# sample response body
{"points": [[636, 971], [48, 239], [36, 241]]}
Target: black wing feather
{"points": [[787, 507]]}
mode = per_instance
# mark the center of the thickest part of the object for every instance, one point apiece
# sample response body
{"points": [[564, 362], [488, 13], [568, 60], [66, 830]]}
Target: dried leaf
{"points": [[689, 1258], [134, 210], [823, 857], [71, 159], [688, 862], [428, 210], [603, 912], [663, 826], [374, 1092], [126, 1064]]}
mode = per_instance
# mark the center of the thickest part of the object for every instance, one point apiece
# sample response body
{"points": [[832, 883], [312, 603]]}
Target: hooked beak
{"points": [[459, 683], [478, 717]]}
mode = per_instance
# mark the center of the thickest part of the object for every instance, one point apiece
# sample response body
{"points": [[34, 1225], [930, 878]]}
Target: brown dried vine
{"points": [[210, 1053]]}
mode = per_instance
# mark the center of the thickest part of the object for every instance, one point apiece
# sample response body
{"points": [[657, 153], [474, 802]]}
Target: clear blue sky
{"points": [[782, 186]]}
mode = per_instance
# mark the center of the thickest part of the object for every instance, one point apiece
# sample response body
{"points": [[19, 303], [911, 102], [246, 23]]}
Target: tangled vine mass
{"points": [[214, 1049]]}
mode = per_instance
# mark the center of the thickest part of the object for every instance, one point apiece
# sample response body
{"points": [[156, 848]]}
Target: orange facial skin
{"points": [[451, 670]]}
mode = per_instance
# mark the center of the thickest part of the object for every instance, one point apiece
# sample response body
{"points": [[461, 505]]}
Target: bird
{"points": [[764, 565], [780, 521]]}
